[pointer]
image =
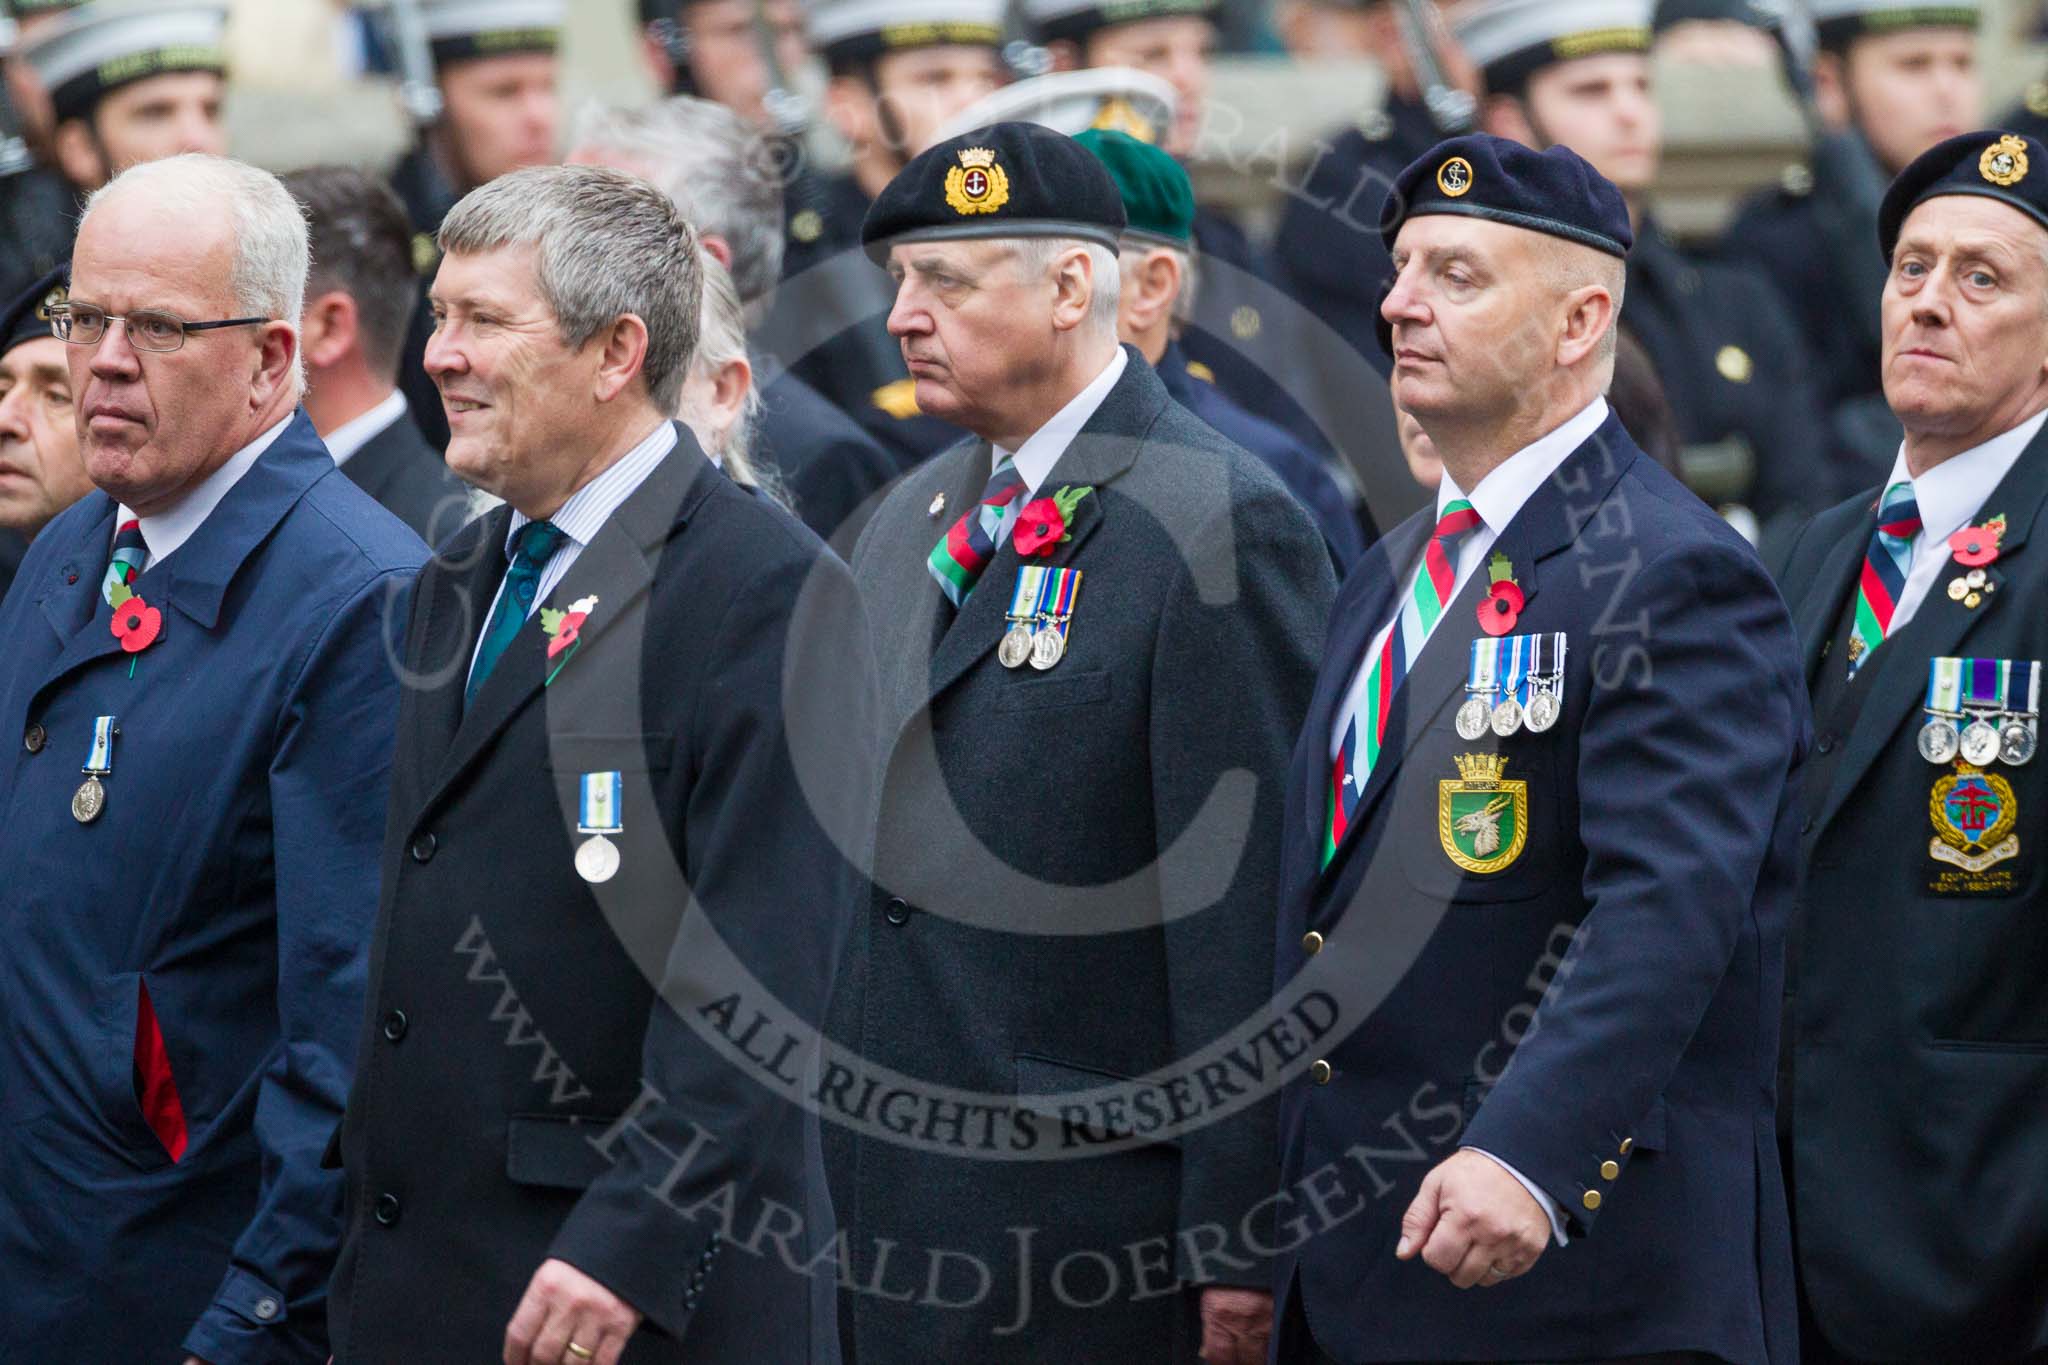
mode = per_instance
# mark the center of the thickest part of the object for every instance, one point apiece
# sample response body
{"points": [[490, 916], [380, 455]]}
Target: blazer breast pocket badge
{"points": [[1975, 814], [1482, 818]]}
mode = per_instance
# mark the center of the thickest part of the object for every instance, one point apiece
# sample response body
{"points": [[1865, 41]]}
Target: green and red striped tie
{"points": [[1885, 566], [1366, 730], [965, 550], [131, 555]]}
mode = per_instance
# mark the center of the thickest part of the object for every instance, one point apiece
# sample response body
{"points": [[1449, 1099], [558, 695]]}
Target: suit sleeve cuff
{"points": [[1550, 1207]]}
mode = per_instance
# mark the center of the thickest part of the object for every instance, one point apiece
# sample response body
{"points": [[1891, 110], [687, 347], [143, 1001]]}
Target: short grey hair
{"points": [[606, 244], [1567, 266], [271, 254], [1035, 256], [722, 173]]}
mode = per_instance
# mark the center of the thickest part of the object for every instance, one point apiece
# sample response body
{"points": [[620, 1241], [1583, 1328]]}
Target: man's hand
{"points": [[1235, 1325], [562, 1305], [1473, 1222]]}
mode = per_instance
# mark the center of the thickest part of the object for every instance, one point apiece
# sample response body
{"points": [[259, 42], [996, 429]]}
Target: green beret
{"points": [[1158, 197]]}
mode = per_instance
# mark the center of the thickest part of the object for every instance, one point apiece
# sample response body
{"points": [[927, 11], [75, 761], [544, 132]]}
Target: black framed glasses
{"points": [[82, 324]]}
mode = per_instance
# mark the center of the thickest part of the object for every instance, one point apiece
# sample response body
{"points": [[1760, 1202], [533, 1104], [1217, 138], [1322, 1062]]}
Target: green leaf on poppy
{"points": [[1067, 499], [1499, 569], [551, 621], [119, 593]]}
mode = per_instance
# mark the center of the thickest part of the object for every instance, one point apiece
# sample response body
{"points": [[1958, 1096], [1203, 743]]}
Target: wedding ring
{"points": [[581, 1352]]}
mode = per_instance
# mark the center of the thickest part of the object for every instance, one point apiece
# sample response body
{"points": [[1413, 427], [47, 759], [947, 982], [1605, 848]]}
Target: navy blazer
{"points": [[222, 903], [1917, 1024], [1601, 1011]]}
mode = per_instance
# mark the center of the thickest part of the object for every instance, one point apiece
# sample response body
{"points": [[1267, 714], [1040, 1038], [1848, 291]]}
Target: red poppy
{"points": [[1974, 546], [1040, 526], [136, 624], [1501, 608], [566, 636]]}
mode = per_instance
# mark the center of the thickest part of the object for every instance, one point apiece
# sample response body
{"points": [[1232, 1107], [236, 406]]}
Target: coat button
{"points": [[897, 911], [394, 1026], [1826, 743], [1609, 1169], [387, 1209], [423, 846], [266, 1309], [1312, 943], [33, 738], [1627, 1146], [1319, 1071], [1592, 1200], [1806, 826]]}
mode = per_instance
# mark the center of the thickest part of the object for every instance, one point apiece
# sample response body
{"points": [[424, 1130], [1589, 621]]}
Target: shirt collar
{"points": [[1953, 492], [1510, 484], [591, 506], [1043, 448], [352, 435], [163, 532]]}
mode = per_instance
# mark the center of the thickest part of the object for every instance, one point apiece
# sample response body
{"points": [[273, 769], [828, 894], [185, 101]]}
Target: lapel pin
{"points": [[938, 506]]}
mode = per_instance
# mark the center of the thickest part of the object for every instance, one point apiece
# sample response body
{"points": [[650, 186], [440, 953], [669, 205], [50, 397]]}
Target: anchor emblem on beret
{"points": [[977, 184], [1454, 177]]}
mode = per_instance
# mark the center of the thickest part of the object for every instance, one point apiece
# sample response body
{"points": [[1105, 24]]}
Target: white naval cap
{"points": [[1073, 20], [852, 33], [1071, 102], [101, 47], [1511, 40], [458, 30], [1840, 22]]}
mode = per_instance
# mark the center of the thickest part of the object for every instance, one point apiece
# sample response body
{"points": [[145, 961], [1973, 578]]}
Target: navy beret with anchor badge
{"points": [[1006, 180], [1993, 164], [1481, 176]]}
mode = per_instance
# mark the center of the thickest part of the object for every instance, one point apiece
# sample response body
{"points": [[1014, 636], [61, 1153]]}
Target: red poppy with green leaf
{"points": [[1045, 523]]}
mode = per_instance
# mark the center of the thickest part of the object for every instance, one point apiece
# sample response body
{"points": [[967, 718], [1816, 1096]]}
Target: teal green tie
{"points": [[532, 548]]}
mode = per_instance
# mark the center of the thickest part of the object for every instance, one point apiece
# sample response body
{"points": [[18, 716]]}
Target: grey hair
{"points": [[1566, 266], [721, 172], [606, 244], [271, 255], [1035, 256], [722, 339]]}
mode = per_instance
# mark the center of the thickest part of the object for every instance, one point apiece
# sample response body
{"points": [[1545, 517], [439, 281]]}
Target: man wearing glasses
{"points": [[190, 823]]}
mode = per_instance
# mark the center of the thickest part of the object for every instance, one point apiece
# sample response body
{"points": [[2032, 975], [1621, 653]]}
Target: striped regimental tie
{"points": [[958, 559], [1366, 730], [1885, 567]]}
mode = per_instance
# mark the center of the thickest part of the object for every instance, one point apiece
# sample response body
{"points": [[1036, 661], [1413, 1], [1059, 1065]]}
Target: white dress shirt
{"points": [[1043, 448], [352, 435], [1499, 496], [1497, 499], [1950, 496], [163, 532], [582, 517]]}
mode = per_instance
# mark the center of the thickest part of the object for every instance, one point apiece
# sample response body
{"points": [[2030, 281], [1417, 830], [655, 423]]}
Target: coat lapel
{"points": [[617, 567], [1103, 449], [459, 588], [1547, 523], [1898, 669], [1822, 609], [191, 585], [1351, 630]]}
